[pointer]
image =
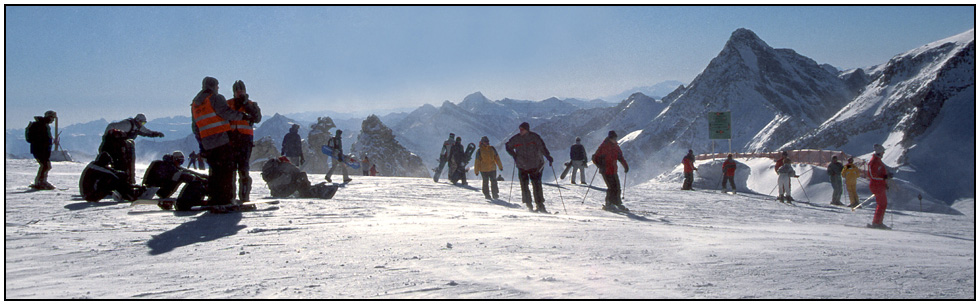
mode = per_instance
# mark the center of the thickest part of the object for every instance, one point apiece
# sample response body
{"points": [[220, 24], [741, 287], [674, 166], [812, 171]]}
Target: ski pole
{"points": [[804, 189], [510, 194], [590, 185], [559, 190], [623, 192]]}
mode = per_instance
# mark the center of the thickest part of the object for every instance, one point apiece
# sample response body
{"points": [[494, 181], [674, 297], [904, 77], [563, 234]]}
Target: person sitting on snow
{"points": [[99, 181], [285, 179]]}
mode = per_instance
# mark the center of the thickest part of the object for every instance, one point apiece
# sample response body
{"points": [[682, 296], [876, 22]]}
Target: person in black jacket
{"points": [[456, 160], [98, 181], [38, 133], [167, 174], [579, 159], [292, 146]]}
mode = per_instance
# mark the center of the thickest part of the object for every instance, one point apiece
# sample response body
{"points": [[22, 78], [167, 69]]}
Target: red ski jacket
{"points": [[877, 172], [606, 156], [688, 164], [729, 168]]}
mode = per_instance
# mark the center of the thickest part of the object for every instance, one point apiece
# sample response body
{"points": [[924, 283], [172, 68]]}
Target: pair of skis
{"points": [[168, 204]]}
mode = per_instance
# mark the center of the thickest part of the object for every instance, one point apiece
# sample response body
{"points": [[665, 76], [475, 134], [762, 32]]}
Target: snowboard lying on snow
{"points": [[169, 203]]}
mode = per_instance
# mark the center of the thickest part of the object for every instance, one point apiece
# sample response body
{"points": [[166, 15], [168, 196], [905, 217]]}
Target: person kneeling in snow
{"points": [[99, 181], [167, 174], [284, 179]]}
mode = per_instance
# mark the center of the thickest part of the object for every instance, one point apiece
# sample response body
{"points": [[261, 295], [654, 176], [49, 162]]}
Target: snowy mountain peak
{"points": [[475, 97]]}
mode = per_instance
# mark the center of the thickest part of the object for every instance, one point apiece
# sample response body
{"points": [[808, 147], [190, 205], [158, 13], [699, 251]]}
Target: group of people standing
{"points": [[224, 131], [530, 152]]}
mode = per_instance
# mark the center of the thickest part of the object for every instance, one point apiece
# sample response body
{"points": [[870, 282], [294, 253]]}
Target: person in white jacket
{"points": [[785, 173]]}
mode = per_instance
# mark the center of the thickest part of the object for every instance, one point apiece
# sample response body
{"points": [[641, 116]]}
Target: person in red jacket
{"points": [[878, 174], [605, 158], [688, 170], [728, 169]]}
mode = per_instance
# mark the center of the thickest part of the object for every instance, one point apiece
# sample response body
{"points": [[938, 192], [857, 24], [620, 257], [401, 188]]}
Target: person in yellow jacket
{"points": [[851, 173], [486, 165]]}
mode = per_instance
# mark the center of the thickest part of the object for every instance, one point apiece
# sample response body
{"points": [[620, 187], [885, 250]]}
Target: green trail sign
{"points": [[719, 125]]}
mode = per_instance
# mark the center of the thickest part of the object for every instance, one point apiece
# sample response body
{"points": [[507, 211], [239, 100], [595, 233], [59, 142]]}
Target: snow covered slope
{"points": [[401, 238], [921, 106]]}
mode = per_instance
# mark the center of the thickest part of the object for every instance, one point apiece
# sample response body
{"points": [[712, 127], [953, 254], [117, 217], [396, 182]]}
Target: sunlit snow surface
{"points": [[383, 237]]}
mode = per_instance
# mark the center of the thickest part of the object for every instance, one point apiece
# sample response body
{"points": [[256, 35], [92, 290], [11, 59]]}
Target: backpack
{"points": [[28, 134]]}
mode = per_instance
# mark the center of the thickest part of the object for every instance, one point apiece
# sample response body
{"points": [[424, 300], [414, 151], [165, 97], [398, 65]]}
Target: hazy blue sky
{"points": [[113, 62]]}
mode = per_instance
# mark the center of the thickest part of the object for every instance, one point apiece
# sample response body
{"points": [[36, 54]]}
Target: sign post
{"points": [[720, 127]]}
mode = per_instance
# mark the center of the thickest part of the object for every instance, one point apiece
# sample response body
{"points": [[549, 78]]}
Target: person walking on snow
{"points": [[212, 117], [728, 172], [486, 165], [337, 145], [834, 170], [242, 136], [579, 159], [605, 158], [292, 146], [527, 148], [689, 169], [38, 133], [851, 174], [879, 176], [124, 156], [785, 188], [456, 159]]}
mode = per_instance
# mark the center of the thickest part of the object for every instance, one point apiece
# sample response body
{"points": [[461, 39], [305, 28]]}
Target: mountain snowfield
{"points": [[401, 238]]}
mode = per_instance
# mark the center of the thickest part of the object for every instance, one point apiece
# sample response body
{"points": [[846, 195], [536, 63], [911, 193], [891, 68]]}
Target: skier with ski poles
{"points": [[834, 170], [879, 176], [786, 171], [728, 173], [605, 159], [527, 148], [689, 169], [851, 173]]}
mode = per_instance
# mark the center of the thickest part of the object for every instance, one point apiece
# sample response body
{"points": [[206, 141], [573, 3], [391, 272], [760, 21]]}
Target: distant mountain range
{"points": [[920, 105]]}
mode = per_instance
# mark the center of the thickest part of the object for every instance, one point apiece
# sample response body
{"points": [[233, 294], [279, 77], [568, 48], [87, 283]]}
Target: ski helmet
{"points": [[140, 118], [50, 114], [879, 149]]}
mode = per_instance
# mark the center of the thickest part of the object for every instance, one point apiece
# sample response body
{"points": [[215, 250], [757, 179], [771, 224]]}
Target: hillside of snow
{"points": [[410, 238]]}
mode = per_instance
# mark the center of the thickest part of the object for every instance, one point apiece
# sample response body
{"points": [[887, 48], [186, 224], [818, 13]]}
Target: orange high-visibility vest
{"points": [[241, 126], [207, 121]]}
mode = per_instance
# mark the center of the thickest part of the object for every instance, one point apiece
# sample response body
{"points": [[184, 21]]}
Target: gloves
{"points": [[156, 134], [302, 160], [626, 168], [550, 160], [246, 117]]}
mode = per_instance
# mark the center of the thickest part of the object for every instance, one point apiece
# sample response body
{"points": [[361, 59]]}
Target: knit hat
{"points": [[294, 127], [612, 134], [209, 83], [50, 114], [578, 140], [484, 139], [525, 126], [239, 85], [339, 132]]}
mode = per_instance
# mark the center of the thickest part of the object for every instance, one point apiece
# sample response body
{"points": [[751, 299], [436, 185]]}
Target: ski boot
{"points": [[609, 207], [621, 207]]}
